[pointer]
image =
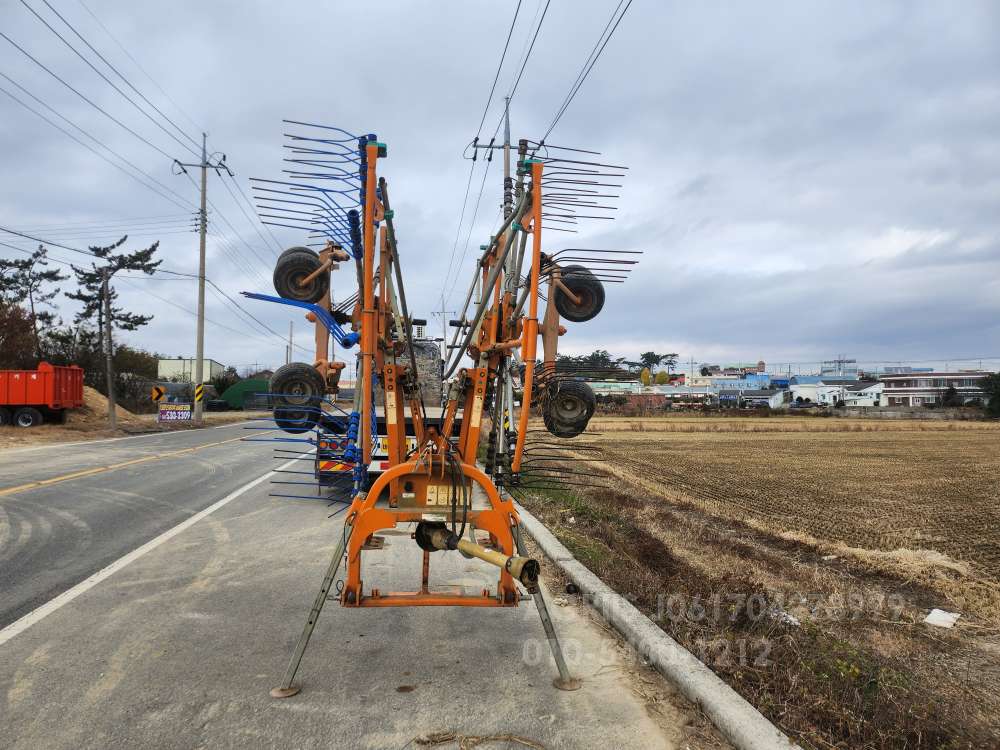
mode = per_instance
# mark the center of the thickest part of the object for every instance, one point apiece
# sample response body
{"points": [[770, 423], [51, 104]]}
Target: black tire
{"points": [[27, 416], [584, 285], [297, 390], [297, 249], [568, 407], [5, 417], [292, 268]]}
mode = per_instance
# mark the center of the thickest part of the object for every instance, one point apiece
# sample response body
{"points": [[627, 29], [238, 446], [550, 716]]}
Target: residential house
{"points": [[921, 389]]}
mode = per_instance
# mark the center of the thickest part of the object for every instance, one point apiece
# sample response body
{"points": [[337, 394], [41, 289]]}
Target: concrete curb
{"points": [[735, 718]]}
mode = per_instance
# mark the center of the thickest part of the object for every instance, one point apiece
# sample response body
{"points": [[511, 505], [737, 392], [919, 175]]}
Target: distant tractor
{"points": [[30, 397]]}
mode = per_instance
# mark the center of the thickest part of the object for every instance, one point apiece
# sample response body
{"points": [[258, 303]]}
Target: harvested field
{"points": [[782, 424], [920, 503], [842, 539]]}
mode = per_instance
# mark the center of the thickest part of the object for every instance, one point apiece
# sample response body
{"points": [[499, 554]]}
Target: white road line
{"points": [[19, 626], [164, 433]]}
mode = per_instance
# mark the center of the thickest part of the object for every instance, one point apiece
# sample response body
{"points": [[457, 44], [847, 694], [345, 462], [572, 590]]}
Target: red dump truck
{"points": [[29, 397]]}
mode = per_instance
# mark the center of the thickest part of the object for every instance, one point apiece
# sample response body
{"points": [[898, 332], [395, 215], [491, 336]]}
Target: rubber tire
{"points": [[568, 407], [295, 266], [299, 412], [6, 418], [297, 249], [27, 416], [587, 287]]}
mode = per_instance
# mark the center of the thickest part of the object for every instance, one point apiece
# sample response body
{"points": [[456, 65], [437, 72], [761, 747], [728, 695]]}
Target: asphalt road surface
{"points": [[152, 589], [54, 535]]}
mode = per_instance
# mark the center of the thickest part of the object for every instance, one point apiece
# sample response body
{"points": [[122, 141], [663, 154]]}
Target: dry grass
{"points": [[686, 424], [917, 503], [855, 533]]}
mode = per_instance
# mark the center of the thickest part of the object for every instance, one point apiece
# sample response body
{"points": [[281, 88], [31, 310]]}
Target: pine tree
{"points": [[25, 281], [91, 286]]}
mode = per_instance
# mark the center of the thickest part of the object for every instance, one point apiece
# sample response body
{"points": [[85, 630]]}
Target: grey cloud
{"points": [[780, 155]]}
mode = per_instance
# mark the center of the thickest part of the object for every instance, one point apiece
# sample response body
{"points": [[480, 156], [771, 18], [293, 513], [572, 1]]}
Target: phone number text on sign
{"points": [[175, 413]]}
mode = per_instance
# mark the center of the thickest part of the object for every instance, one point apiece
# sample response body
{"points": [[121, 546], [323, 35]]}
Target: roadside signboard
{"points": [[174, 413]]}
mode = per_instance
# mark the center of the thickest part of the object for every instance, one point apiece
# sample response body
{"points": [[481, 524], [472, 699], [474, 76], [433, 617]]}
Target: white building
{"points": [[772, 398], [863, 394], [815, 393], [183, 369]]}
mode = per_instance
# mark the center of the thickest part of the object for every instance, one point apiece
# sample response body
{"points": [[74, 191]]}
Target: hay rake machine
{"points": [[450, 468]]}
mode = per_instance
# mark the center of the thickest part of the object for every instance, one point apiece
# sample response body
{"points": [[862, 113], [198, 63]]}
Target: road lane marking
{"points": [[109, 467], [161, 433], [25, 622]]}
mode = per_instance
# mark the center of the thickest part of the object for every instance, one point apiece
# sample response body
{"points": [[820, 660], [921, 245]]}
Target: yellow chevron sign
{"points": [[199, 393], [158, 393]]}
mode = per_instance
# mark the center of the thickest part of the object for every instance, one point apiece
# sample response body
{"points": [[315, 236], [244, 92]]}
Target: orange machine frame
{"points": [[414, 487]]}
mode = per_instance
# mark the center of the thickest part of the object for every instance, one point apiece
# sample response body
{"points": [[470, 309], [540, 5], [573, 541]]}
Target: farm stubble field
{"points": [[799, 556]]}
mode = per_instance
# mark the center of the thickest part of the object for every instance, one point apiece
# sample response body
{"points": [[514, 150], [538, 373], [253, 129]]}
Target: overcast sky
{"points": [[806, 179]]}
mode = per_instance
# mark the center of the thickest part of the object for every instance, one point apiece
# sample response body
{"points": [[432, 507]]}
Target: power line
{"points": [[117, 233], [107, 80], [101, 223], [109, 237], [123, 226], [65, 132], [510, 95], [588, 65], [253, 210], [183, 277], [496, 78], [181, 307], [458, 230], [524, 62], [91, 103], [31, 252], [465, 200], [229, 224], [238, 260], [247, 216], [46, 242], [472, 225], [118, 72], [209, 281], [135, 62]]}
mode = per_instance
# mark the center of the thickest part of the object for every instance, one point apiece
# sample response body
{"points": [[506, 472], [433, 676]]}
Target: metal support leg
{"points": [[565, 681], [286, 689]]}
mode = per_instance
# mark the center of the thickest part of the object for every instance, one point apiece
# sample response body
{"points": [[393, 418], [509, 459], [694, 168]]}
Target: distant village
{"points": [[839, 384]]}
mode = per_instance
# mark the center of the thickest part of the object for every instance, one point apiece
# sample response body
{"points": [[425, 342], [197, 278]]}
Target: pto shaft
{"points": [[434, 535]]}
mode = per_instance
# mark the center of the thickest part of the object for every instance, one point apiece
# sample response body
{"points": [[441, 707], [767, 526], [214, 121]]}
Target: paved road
{"points": [[178, 646], [54, 535]]}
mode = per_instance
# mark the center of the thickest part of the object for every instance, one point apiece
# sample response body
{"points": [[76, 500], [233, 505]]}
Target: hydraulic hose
{"points": [[523, 205]]}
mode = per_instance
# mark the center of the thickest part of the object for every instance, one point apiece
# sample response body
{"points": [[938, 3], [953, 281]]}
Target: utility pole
{"points": [[109, 369], [508, 184], [444, 330], [204, 165]]}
